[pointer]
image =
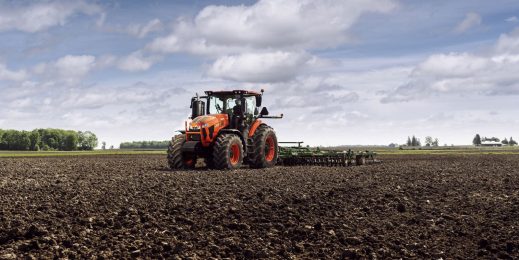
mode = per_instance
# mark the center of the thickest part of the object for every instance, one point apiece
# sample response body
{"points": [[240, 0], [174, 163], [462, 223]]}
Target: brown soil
{"points": [[132, 206]]}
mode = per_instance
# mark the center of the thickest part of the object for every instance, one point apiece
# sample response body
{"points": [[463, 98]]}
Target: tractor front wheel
{"points": [[265, 153], [176, 159], [227, 152]]}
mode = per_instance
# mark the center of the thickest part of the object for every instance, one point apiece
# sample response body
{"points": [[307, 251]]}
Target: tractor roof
{"points": [[233, 92]]}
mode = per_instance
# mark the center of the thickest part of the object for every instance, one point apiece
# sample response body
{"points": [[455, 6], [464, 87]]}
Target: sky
{"points": [[342, 72]]}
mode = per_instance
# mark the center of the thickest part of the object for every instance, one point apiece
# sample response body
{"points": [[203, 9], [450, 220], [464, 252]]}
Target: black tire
{"points": [[176, 159], [227, 152], [209, 162], [261, 157]]}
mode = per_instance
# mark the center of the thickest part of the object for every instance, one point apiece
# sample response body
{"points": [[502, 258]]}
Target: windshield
{"points": [[226, 104]]}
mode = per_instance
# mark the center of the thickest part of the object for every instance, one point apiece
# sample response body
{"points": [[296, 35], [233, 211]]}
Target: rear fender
{"points": [[254, 126]]}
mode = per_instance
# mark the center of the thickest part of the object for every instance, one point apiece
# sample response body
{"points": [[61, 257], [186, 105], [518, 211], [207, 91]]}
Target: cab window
{"points": [[250, 105], [215, 105]]}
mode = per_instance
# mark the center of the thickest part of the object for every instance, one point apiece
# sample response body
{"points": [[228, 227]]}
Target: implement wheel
{"points": [[360, 160], [176, 159], [227, 152], [265, 148]]}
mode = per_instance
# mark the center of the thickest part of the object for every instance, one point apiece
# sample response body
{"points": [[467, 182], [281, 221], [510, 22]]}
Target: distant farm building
{"points": [[491, 144]]}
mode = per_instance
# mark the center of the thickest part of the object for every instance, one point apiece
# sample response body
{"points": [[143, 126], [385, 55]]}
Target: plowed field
{"points": [[420, 206]]}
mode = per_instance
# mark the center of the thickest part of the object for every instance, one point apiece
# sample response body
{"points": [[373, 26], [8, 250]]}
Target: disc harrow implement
{"points": [[299, 155]]}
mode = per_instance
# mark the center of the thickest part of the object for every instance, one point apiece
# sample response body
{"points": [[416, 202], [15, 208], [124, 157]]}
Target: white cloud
{"points": [[261, 67], [452, 65], [141, 31], [269, 24], [138, 30], [136, 61], [21, 103], [471, 20], [493, 73], [512, 19], [41, 16], [268, 41], [6, 74], [75, 66], [69, 68], [508, 43]]}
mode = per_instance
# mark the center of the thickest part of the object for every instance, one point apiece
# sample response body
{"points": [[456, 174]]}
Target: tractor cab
{"points": [[241, 106]]}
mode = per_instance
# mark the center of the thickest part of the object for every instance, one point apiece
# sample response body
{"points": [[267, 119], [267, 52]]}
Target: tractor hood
{"points": [[216, 120]]}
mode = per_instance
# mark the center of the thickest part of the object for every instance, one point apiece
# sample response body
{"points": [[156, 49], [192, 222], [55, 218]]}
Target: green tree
{"points": [[415, 141], [35, 140], [512, 142], [428, 141], [505, 141], [24, 141], [52, 143], [87, 140], [71, 141], [477, 140], [409, 142], [46, 139], [3, 143]]}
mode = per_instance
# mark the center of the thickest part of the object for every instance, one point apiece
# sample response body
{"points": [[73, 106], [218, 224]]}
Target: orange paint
{"points": [[270, 150], [254, 126], [235, 154], [201, 125]]}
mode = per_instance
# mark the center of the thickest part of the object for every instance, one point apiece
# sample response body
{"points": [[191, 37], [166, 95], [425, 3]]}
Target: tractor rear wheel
{"points": [[227, 152], [176, 159], [265, 152]]}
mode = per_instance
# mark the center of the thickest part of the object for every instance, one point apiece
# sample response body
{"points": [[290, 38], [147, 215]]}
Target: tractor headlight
{"points": [[204, 125]]}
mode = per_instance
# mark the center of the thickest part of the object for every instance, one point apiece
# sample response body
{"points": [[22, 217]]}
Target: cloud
{"points": [[319, 101], [136, 61], [452, 65], [135, 29], [261, 67], [269, 40], [508, 43], [141, 31], [69, 69], [471, 20], [268, 24], [492, 73], [6, 74], [512, 19], [41, 16]]}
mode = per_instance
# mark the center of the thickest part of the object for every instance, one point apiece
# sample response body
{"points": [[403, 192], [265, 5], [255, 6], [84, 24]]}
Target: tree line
{"points": [[144, 145], [429, 141], [47, 140], [477, 141]]}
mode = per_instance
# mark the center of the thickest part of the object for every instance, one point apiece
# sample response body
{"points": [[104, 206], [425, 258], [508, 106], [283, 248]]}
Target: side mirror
{"points": [[264, 112], [258, 101]]}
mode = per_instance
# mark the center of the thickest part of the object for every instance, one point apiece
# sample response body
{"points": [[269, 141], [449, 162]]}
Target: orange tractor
{"points": [[225, 128]]}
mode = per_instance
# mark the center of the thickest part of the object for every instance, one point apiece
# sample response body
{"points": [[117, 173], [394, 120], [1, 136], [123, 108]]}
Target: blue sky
{"points": [[342, 72]]}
